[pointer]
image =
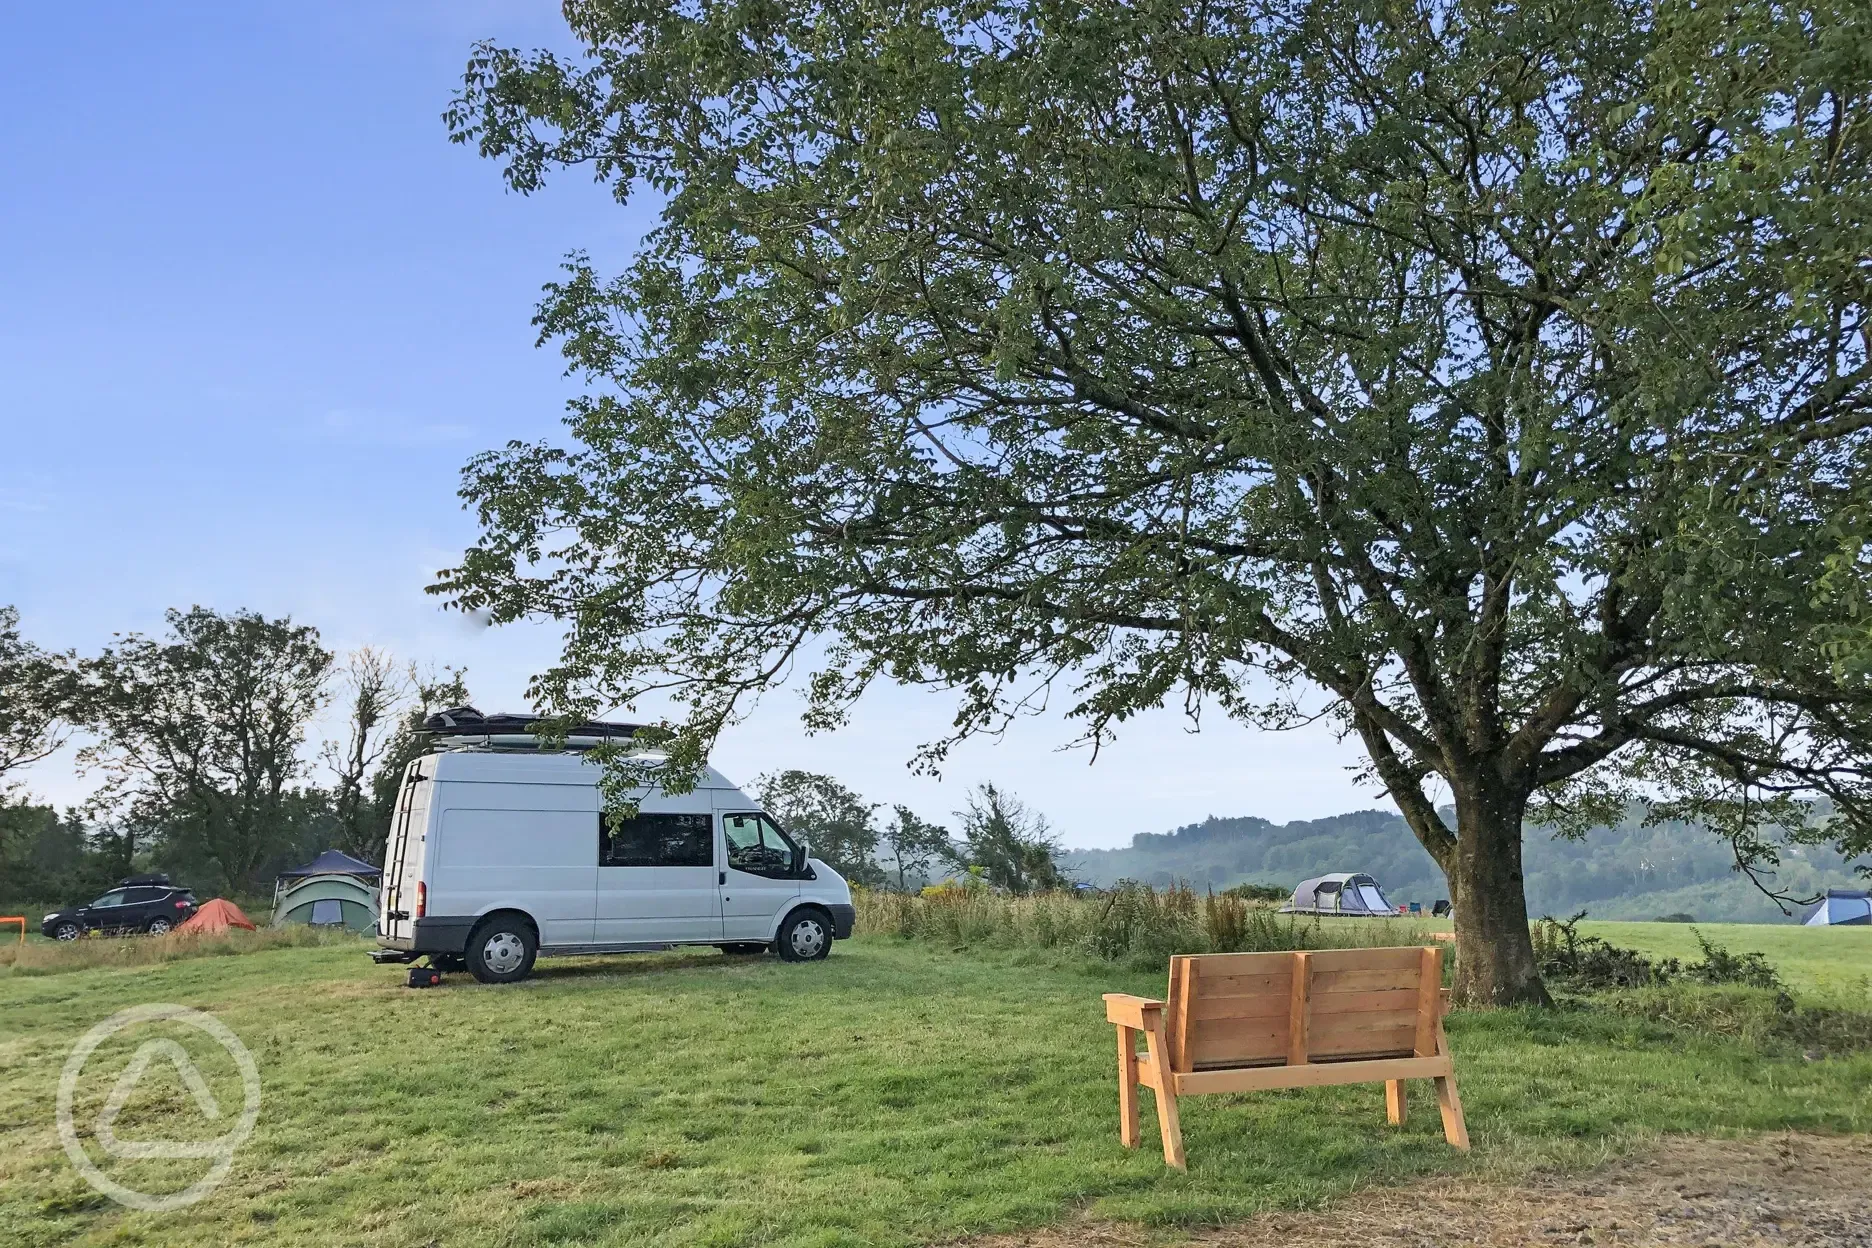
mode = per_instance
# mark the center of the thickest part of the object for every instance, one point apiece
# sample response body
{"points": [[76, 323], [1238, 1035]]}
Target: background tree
{"points": [[200, 733], [36, 692], [374, 688], [911, 845], [433, 690], [1012, 846], [1494, 375], [840, 826]]}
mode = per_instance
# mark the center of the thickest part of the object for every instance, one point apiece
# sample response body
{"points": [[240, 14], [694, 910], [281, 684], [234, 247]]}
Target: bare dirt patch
{"points": [[1813, 1191]]}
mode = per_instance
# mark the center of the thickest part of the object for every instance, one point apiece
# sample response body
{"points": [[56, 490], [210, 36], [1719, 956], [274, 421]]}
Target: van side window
{"points": [[757, 846], [656, 840]]}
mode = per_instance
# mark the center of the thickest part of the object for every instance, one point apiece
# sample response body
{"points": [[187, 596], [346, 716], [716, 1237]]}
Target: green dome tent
{"points": [[333, 890]]}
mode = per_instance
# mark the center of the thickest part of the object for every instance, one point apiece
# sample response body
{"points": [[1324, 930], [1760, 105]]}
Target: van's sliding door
{"points": [[656, 875]]}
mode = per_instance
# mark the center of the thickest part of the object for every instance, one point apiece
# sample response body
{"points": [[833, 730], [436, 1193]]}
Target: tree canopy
{"points": [[1494, 377], [200, 733]]}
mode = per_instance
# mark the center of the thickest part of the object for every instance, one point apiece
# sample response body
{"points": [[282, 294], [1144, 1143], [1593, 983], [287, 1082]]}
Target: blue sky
{"points": [[256, 312]]}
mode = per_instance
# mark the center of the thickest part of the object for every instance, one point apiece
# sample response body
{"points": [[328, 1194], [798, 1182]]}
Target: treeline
{"points": [[199, 740], [1631, 871]]}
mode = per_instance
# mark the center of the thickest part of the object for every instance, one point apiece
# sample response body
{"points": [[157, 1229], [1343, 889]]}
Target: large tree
{"points": [[1492, 375], [200, 733], [37, 692], [839, 826]]}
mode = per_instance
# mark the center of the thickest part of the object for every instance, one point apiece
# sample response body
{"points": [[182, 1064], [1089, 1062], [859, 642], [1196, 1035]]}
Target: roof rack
{"points": [[465, 726]]}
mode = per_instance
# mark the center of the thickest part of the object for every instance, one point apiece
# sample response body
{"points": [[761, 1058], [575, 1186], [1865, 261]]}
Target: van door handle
{"points": [[721, 877]]}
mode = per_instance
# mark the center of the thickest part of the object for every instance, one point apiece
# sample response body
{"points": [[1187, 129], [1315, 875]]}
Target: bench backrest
{"points": [[1268, 1009]]}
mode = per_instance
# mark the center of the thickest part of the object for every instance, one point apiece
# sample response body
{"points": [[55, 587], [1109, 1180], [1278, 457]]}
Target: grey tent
{"points": [[1343, 892], [1842, 907], [332, 890], [333, 862]]}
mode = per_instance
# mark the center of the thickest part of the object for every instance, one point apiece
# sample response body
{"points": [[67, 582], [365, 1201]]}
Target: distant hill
{"points": [[1628, 872]]}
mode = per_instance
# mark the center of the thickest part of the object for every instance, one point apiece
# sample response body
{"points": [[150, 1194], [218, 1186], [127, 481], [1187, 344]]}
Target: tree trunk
{"points": [[1494, 952]]}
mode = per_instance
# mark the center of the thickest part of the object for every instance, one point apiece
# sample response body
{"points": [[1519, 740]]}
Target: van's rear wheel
{"points": [[502, 950], [806, 936]]}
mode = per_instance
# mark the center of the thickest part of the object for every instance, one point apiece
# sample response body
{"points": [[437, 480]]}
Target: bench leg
{"points": [[1168, 1123], [1455, 1130], [1127, 1088], [1394, 1102]]}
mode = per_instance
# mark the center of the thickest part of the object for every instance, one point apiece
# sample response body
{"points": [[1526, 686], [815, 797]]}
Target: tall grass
{"points": [[1131, 925], [40, 957]]}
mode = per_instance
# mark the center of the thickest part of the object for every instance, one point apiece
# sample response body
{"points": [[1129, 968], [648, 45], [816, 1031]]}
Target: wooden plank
{"points": [[1128, 1011], [1395, 1102], [1386, 980], [1147, 1069], [1366, 1024], [1182, 991], [1208, 965], [1311, 1075], [1128, 1132], [1246, 985], [1449, 1104], [1267, 1005], [1389, 958], [1237, 1040], [1298, 1012], [1429, 1002], [1396, 1000], [1392, 1042], [1169, 1125]]}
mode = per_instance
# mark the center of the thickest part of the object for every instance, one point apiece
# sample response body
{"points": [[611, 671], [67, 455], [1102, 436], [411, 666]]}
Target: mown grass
{"points": [[897, 1093]]}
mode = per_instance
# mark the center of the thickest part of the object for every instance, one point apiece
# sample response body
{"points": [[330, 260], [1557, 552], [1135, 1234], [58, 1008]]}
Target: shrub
{"points": [[1588, 963], [1259, 892], [1766, 1019], [1679, 917]]}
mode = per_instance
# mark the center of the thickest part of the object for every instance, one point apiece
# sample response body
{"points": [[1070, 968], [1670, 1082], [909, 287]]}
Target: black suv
{"points": [[142, 903]]}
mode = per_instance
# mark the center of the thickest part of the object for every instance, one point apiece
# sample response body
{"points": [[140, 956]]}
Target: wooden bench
{"points": [[1248, 1022]]}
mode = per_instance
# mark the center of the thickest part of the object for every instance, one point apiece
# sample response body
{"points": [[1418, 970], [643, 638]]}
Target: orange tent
{"points": [[217, 916]]}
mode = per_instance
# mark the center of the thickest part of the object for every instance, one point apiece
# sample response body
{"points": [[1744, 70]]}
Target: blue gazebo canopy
{"points": [[332, 862]]}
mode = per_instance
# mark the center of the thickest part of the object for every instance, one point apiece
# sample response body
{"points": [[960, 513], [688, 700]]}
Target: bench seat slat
{"points": [[1312, 1075]]}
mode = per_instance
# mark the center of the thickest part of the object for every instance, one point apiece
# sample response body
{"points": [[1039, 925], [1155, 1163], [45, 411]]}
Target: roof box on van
{"points": [[464, 724]]}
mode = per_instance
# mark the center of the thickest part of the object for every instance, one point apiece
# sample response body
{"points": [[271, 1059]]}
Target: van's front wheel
{"points": [[502, 950], [806, 936]]}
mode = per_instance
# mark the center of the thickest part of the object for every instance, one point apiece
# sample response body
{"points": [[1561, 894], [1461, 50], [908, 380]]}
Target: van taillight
{"points": [[422, 899]]}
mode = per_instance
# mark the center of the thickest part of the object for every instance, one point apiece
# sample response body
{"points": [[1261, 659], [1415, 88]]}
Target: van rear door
{"points": [[403, 853]]}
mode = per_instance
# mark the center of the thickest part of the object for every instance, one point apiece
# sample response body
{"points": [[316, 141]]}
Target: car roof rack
{"points": [[460, 726], [156, 877]]}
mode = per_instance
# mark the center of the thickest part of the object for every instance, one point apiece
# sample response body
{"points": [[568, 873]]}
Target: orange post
{"points": [[19, 919]]}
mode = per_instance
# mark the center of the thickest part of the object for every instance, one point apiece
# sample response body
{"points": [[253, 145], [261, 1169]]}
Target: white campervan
{"points": [[497, 856]]}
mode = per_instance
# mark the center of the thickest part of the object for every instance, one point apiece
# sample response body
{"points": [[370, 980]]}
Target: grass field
{"points": [[895, 1094]]}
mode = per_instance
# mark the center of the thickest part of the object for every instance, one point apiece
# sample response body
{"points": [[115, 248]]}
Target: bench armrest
{"points": [[1128, 1011]]}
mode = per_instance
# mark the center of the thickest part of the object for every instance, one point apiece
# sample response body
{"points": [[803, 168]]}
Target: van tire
{"points": [[805, 936], [502, 949]]}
